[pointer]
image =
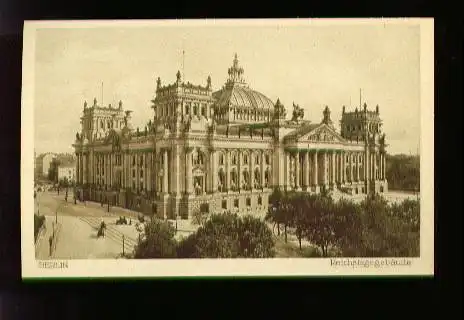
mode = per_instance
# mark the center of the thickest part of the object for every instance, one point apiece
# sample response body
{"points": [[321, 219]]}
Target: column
{"points": [[351, 167], [297, 170], [306, 170], [324, 163], [165, 171], [333, 167], [315, 169], [174, 169], [188, 174], [77, 168], [340, 167], [263, 171], [228, 165], [287, 170], [85, 168], [343, 155], [213, 171], [250, 169]]}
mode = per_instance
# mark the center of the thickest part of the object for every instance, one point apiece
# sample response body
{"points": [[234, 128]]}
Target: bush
{"points": [[229, 236], [158, 241], [39, 221]]}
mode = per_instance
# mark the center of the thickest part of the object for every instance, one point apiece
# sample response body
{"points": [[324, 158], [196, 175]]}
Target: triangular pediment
{"points": [[321, 133]]}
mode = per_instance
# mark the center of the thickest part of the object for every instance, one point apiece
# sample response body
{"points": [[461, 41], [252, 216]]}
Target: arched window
{"points": [[245, 159], [221, 159], [234, 159], [102, 126]]}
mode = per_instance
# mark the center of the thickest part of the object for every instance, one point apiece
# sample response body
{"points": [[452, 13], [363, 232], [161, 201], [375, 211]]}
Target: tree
{"points": [[157, 242], [300, 206], [320, 228], [227, 235]]}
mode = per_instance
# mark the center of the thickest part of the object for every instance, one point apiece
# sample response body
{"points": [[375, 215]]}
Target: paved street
{"points": [[77, 236]]}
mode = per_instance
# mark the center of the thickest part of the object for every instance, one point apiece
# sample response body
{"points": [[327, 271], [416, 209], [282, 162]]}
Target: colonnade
{"points": [[171, 171], [315, 168]]}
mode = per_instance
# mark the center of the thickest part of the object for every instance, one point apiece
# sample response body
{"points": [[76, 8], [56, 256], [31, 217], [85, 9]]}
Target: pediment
{"points": [[322, 133]]}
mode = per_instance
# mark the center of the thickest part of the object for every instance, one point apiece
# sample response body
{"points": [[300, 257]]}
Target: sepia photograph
{"points": [[227, 147]]}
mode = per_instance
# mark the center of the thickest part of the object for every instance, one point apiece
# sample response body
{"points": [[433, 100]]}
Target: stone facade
{"points": [[222, 151]]}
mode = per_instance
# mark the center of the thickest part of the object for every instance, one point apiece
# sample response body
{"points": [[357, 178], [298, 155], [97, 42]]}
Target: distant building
{"points": [[67, 171]]}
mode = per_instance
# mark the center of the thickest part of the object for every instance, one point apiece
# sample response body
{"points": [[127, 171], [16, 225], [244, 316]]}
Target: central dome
{"points": [[237, 94], [242, 97]]}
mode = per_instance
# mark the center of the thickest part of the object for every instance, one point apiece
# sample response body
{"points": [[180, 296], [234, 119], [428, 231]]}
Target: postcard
{"points": [[273, 147]]}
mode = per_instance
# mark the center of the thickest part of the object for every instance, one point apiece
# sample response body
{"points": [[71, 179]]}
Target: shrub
{"points": [[158, 241], [227, 235]]}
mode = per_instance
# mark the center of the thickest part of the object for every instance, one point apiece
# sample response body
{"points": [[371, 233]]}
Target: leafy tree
{"points": [[227, 235], [300, 207], [157, 242], [403, 172], [320, 226]]}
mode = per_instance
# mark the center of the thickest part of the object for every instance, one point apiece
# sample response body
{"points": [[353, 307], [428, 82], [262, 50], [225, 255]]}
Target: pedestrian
{"points": [[50, 242]]}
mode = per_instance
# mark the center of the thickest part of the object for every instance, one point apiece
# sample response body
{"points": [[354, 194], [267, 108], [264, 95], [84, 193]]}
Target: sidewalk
{"points": [[43, 246]]}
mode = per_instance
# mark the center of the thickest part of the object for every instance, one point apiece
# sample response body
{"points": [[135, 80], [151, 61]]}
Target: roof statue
{"points": [[94, 102], [158, 83], [326, 119], [343, 110], [298, 113], [208, 82], [120, 104], [377, 109], [279, 110], [85, 104], [178, 76]]}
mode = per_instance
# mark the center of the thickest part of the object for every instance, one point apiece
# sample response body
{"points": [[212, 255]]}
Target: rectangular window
{"points": [[236, 203], [260, 201], [141, 173], [248, 202], [224, 204], [267, 159], [133, 173]]}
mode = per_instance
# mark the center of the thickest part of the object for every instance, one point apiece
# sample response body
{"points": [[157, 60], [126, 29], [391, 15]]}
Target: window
{"points": [[267, 159], [141, 161], [133, 160], [187, 109], [141, 174], [248, 202], [195, 110], [224, 204], [133, 173], [203, 111], [235, 203], [260, 200], [257, 159], [234, 159], [221, 159], [141, 185], [245, 159]]}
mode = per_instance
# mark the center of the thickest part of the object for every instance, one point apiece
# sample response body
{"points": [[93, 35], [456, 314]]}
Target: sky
{"points": [[311, 65]]}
